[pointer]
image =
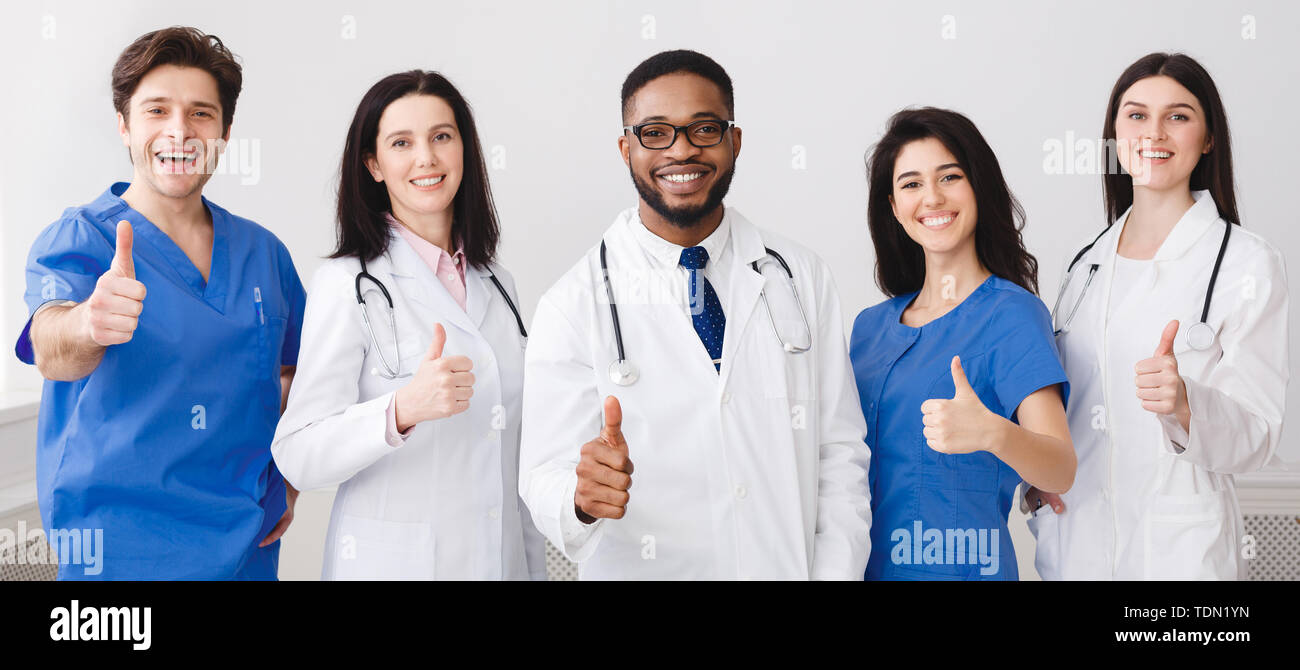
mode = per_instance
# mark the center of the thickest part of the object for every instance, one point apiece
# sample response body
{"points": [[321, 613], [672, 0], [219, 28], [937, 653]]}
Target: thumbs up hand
{"points": [[441, 387], [604, 471], [1159, 386], [112, 312], [961, 425]]}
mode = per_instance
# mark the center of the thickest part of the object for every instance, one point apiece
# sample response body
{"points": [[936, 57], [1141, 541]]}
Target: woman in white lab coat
{"points": [[1174, 392], [413, 410]]}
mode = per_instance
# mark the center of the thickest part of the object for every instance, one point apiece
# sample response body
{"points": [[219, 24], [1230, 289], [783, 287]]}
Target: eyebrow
{"points": [[914, 173], [395, 133], [697, 115], [1176, 105], [162, 98]]}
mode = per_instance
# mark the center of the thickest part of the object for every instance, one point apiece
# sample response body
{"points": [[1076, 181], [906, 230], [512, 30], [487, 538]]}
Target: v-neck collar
{"points": [[212, 291]]}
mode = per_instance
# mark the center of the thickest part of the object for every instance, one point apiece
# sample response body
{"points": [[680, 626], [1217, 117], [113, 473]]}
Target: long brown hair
{"points": [[900, 261], [362, 202], [1213, 171]]}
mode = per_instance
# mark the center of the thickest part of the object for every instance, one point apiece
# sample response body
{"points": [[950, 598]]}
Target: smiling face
{"points": [[1160, 133], [174, 130], [932, 197], [419, 155], [683, 183]]}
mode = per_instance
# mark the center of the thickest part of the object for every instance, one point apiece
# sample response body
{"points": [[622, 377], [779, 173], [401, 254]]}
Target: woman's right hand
{"points": [[1034, 498], [441, 387]]}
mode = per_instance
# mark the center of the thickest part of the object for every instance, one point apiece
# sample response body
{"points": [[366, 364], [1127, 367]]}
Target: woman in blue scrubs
{"points": [[957, 372]]}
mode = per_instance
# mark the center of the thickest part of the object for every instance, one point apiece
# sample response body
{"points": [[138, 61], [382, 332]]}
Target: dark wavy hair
{"points": [[183, 46], [900, 262], [362, 201], [1213, 171]]}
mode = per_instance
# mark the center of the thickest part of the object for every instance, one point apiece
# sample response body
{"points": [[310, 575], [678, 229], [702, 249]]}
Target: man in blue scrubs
{"points": [[167, 330]]}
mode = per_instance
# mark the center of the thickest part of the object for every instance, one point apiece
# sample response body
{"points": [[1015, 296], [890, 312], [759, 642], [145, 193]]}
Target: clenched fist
{"points": [[112, 312], [605, 471], [1159, 386], [441, 387], [960, 425]]}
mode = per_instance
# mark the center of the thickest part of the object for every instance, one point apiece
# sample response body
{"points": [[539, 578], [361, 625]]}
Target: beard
{"points": [[689, 215]]}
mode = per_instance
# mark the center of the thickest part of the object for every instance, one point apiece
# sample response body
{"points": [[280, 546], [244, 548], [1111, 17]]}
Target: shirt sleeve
{"points": [[561, 411], [842, 542], [395, 437], [296, 297], [64, 265], [327, 433], [1238, 407], [1024, 354]]}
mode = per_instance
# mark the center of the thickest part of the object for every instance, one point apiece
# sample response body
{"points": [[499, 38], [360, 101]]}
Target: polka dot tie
{"points": [[706, 311]]}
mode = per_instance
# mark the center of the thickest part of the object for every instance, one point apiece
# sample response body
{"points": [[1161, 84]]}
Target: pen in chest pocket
{"points": [[257, 304]]}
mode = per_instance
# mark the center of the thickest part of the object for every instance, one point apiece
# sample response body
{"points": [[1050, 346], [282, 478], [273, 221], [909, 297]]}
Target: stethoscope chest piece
{"points": [[1200, 336], [623, 373]]}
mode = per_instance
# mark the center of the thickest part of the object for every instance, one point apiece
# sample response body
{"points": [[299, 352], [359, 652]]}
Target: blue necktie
{"points": [[706, 311]]}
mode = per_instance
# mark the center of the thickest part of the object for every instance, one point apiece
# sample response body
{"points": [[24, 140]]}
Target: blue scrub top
{"points": [[936, 515], [165, 446]]}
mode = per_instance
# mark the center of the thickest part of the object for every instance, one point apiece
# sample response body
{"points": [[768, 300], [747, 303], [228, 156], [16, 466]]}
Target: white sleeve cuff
{"points": [[391, 434], [576, 533]]}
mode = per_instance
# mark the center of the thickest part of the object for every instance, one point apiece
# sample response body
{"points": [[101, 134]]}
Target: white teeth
{"points": [[935, 222], [682, 178], [427, 182], [1156, 154], [177, 155]]}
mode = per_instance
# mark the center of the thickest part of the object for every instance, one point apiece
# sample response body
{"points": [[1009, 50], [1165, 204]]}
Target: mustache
{"points": [[665, 166]]}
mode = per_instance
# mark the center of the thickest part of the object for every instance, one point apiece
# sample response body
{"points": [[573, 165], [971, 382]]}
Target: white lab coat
{"points": [[758, 472], [444, 504], [1150, 501]]}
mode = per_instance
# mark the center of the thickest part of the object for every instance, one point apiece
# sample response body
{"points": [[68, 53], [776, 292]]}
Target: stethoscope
{"points": [[1199, 337], [395, 372], [625, 373]]}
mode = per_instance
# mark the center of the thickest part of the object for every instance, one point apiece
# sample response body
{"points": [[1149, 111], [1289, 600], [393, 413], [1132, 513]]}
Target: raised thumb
{"points": [[1167, 339], [435, 346], [613, 430], [961, 386], [122, 260]]}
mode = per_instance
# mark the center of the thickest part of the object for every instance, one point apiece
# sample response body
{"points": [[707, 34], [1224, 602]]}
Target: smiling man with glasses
{"points": [[709, 352]]}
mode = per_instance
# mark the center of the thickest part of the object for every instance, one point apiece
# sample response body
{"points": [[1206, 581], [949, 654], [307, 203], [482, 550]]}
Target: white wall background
{"points": [[544, 80]]}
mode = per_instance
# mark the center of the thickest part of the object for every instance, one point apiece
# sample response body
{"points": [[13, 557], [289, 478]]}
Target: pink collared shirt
{"points": [[448, 268], [450, 271]]}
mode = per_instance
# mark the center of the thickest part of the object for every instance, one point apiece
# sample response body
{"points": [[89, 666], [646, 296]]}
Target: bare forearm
{"points": [[63, 348], [1043, 461], [286, 381]]}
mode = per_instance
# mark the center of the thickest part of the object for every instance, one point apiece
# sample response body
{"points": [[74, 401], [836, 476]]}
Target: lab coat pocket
{"points": [[376, 549], [1189, 536], [1044, 523]]}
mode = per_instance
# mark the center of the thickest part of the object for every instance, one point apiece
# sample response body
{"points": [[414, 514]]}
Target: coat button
{"points": [[741, 492], [494, 513], [726, 398]]}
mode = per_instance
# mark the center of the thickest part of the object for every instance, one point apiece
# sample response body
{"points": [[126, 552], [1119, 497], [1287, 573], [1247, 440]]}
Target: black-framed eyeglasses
{"points": [[658, 135]]}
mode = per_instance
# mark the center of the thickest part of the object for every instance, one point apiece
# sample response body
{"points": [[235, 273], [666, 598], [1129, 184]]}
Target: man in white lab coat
{"points": [[738, 411]]}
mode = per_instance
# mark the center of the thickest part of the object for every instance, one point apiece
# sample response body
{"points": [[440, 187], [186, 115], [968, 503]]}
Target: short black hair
{"points": [[679, 60]]}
